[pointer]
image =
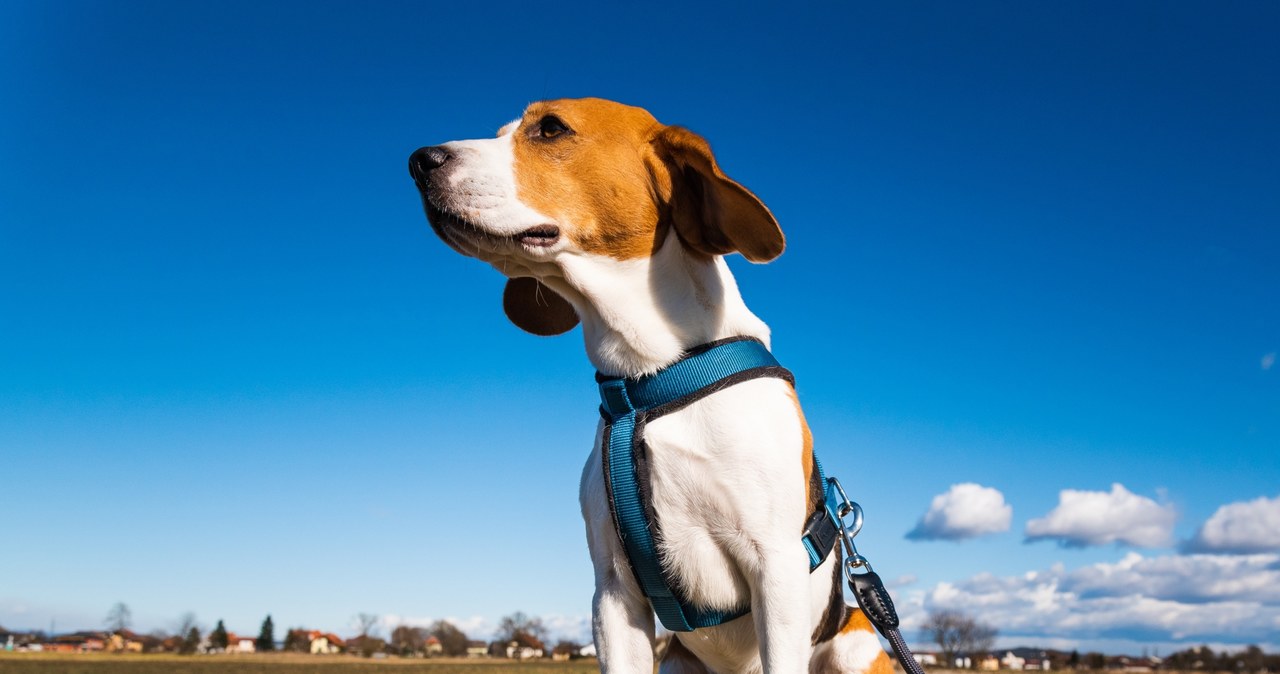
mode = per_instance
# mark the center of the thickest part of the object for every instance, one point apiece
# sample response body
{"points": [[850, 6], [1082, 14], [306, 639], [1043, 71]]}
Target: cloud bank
{"points": [[1177, 598], [965, 510], [1086, 518]]}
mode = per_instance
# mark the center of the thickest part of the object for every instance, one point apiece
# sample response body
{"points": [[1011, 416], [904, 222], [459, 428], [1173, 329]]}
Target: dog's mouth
{"points": [[451, 227], [541, 236]]}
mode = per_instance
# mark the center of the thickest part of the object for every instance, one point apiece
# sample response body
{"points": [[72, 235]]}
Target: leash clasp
{"points": [[845, 509]]}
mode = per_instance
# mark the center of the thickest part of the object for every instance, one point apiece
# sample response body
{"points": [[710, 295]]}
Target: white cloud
{"points": [[1241, 527], [572, 627], [1174, 598], [1182, 578], [1268, 360], [965, 510], [1084, 518]]}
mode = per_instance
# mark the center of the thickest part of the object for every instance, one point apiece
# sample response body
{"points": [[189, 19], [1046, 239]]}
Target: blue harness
{"points": [[627, 405]]}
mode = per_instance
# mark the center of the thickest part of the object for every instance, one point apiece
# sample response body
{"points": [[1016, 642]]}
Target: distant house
{"points": [[928, 658], [239, 644], [122, 642], [524, 647], [432, 647], [477, 649], [77, 642], [989, 663], [588, 651], [1011, 661], [325, 643], [1125, 663]]}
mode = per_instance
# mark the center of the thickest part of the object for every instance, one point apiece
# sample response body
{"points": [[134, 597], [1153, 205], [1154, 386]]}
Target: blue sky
{"points": [[1032, 249]]}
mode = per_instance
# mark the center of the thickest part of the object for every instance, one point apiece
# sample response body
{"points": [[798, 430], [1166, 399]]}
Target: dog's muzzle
{"points": [[426, 166]]}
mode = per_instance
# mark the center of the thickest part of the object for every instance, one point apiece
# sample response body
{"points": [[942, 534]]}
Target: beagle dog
{"points": [[598, 214]]}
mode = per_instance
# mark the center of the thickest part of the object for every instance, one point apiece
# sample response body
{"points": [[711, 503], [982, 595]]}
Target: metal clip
{"points": [[846, 508]]}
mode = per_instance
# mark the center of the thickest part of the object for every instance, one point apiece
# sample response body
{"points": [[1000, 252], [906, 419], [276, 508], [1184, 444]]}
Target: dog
{"points": [[598, 214]]}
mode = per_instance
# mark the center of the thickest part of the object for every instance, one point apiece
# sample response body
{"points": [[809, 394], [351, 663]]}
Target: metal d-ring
{"points": [[845, 508]]}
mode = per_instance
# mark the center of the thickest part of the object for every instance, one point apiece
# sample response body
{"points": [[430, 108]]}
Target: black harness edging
{"points": [[628, 405]]}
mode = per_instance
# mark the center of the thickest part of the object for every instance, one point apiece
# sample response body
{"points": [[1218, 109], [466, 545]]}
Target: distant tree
{"points": [[978, 638], [942, 628], [366, 623], [297, 641], [956, 633], [1074, 661], [1095, 661], [119, 617], [185, 622], [512, 627], [266, 637], [452, 641], [1253, 658], [408, 641], [218, 637], [191, 642]]}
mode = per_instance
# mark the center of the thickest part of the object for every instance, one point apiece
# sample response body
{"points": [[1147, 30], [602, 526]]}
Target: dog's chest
{"points": [[724, 478]]}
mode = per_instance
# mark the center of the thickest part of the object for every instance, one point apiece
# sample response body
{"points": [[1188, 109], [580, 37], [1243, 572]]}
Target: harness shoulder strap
{"points": [[629, 403]]}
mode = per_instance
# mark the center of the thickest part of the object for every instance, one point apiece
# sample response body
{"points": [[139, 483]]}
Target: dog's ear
{"points": [[536, 308], [712, 213]]}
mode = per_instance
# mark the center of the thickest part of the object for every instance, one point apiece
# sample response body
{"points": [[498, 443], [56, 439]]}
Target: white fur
{"points": [[726, 472]]}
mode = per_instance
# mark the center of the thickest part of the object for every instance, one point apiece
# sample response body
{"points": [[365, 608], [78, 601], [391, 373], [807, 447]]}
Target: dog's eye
{"points": [[551, 126]]}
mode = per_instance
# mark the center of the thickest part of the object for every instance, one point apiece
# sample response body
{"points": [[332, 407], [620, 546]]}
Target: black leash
{"points": [[867, 588]]}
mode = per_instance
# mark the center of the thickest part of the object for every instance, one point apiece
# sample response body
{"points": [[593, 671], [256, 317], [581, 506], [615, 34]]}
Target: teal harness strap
{"points": [[626, 405]]}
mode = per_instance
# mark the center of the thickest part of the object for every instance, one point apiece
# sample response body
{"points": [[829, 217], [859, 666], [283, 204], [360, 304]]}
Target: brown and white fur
{"points": [[599, 214]]}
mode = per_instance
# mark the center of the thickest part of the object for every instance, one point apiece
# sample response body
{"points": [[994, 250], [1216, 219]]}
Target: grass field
{"points": [[51, 663]]}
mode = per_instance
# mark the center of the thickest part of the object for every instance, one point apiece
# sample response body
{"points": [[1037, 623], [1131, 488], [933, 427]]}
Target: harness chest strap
{"points": [[627, 405]]}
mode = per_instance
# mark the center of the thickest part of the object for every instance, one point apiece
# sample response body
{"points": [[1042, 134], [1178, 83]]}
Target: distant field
{"points": [[50, 663]]}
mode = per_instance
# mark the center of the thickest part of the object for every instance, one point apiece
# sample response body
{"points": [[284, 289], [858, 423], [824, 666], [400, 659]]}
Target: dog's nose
{"points": [[425, 159]]}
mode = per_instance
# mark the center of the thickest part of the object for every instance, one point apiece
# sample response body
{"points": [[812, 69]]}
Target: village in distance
{"points": [[948, 640]]}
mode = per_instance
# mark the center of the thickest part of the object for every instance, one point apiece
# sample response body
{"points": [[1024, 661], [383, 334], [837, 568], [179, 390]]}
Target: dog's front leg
{"points": [[621, 618], [622, 625], [780, 604]]}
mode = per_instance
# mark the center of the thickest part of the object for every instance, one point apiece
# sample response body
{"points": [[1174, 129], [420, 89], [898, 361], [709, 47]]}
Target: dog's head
{"points": [[583, 177]]}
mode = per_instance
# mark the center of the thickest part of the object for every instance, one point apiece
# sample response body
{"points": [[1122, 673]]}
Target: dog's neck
{"points": [[641, 315]]}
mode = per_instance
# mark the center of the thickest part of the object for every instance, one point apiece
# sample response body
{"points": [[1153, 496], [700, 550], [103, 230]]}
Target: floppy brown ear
{"points": [[536, 308], [712, 213]]}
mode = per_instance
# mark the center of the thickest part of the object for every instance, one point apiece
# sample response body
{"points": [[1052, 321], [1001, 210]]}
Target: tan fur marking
{"points": [[858, 622], [813, 500], [881, 665], [600, 181]]}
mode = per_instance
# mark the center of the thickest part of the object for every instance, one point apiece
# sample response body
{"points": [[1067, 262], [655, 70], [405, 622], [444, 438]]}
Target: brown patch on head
{"points": [[588, 164], [615, 179]]}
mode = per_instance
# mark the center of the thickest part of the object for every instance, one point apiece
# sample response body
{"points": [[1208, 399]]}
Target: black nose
{"points": [[425, 159]]}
